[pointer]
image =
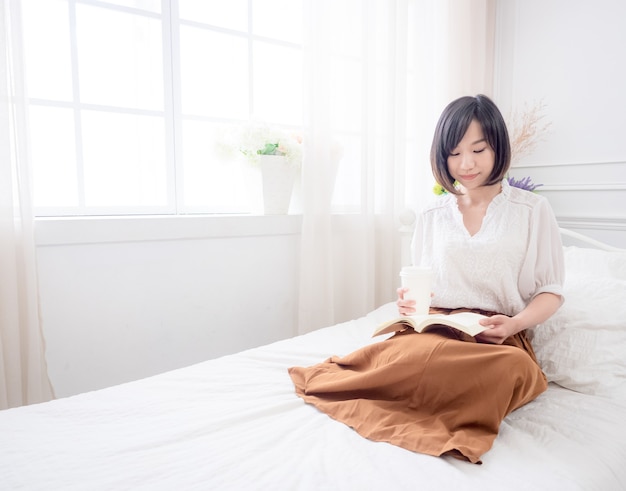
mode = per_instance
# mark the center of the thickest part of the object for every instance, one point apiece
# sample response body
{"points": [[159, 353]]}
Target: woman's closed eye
{"points": [[456, 154]]}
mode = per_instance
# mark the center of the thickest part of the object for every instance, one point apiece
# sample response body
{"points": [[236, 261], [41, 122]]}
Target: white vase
{"points": [[278, 175]]}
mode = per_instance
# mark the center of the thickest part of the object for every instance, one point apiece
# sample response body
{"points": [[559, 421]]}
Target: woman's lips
{"points": [[469, 177]]}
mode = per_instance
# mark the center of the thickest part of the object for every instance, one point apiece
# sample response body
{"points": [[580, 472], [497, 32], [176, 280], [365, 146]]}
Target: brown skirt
{"points": [[430, 393]]}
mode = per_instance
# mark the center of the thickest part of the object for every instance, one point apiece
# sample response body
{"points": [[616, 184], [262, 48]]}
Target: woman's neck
{"points": [[479, 197], [473, 204]]}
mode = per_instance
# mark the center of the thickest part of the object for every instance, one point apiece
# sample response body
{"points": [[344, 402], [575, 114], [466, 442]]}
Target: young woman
{"points": [[493, 249]]}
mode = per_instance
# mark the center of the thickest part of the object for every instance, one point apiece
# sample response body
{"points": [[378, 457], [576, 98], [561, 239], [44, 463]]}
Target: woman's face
{"points": [[472, 160]]}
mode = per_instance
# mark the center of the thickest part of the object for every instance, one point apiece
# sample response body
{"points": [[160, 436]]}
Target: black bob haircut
{"points": [[451, 127]]}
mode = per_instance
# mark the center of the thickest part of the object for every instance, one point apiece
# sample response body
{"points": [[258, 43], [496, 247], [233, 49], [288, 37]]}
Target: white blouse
{"points": [[516, 254]]}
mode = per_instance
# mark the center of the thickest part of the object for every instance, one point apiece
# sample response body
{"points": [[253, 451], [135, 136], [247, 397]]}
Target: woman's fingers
{"points": [[405, 307]]}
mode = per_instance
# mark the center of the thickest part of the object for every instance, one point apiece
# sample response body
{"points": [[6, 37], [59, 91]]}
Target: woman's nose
{"points": [[467, 161]]}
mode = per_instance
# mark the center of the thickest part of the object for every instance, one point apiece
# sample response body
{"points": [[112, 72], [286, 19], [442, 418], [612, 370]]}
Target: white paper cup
{"points": [[418, 282]]}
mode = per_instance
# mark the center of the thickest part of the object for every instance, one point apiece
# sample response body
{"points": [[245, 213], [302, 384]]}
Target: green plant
{"points": [[256, 139]]}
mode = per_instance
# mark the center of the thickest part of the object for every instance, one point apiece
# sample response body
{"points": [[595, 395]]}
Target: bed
{"points": [[235, 423]]}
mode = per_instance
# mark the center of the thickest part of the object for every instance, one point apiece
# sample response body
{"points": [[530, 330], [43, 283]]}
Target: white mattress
{"points": [[236, 423]]}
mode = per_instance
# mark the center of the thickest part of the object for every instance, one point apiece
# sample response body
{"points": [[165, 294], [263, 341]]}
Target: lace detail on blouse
{"points": [[516, 254]]}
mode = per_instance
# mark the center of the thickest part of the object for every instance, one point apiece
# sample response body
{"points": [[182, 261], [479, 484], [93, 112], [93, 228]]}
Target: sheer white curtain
{"points": [[413, 57], [23, 373]]}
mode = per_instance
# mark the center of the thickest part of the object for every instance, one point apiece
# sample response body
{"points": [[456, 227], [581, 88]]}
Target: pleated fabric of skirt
{"points": [[430, 393]]}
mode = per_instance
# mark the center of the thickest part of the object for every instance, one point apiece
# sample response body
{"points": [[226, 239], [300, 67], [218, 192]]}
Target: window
{"points": [[126, 97]]}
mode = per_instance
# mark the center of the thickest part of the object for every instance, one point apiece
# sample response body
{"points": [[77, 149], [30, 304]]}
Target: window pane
{"points": [[47, 49], [232, 14], [53, 156], [346, 27], [211, 181], [277, 83], [124, 160], [124, 69], [347, 192], [346, 93], [149, 5], [278, 19], [214, 74]]}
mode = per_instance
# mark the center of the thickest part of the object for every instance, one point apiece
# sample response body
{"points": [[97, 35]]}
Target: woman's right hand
{"points": [[405, 307]]}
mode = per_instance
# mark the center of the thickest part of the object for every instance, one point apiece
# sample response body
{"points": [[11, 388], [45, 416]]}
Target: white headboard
{"points": [[575, 238]]}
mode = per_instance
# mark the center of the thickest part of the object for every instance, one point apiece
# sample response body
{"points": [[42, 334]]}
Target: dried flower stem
{"points": [[527, 129]]}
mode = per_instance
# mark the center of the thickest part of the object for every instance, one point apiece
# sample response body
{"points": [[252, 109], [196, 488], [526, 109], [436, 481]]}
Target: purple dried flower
{"points": [[525, 183]]}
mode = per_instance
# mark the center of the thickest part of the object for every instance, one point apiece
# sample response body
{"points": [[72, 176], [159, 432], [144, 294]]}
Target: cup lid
{"points": [[415, 270]]}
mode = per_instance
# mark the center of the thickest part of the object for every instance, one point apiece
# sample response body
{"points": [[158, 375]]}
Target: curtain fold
{"points": [[347, 261], [23, 372], [414, 57], [315, 249]]}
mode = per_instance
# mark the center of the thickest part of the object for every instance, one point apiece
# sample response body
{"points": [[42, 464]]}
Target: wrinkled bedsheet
{"points": [[236, 423]]}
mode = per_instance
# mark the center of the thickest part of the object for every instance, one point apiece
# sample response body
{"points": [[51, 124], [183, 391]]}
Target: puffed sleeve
{"points": [[544, 268]]}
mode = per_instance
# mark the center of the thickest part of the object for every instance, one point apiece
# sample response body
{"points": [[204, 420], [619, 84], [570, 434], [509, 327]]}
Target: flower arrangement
{"points": [[438, 189], [256, 139], [525, 183], [527, 128]]}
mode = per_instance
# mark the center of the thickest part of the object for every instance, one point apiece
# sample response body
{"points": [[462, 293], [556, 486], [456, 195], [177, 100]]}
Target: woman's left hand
{"points": [[500, 328], [537, 311]]}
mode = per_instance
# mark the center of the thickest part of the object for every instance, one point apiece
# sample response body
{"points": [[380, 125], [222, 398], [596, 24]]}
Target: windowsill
{"points": [[94, 230]]}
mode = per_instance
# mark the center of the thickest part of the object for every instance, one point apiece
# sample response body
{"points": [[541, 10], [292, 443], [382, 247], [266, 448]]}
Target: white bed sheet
{"points": [[235, 423]]}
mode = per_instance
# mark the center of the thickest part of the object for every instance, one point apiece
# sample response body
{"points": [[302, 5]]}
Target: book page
{"points": [[463, 321]]}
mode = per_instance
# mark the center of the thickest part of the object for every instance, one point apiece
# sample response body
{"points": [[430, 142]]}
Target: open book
{"points": [[466, 322]]}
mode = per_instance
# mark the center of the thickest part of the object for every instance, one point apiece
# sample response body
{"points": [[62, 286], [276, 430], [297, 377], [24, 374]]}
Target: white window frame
{"points": [[172, 115]]}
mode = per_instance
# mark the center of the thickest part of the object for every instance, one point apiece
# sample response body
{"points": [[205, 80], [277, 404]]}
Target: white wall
{"points": [[569, 55], [124, 298]]}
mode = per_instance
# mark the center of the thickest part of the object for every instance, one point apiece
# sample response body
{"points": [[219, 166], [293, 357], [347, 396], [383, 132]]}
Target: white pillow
{"points": [[583, 345]]}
